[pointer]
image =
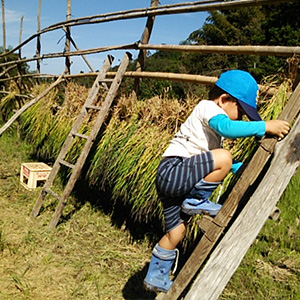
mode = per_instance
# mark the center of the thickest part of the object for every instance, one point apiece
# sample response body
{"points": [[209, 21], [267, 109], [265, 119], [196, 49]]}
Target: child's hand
{"points": [[277, 127]]}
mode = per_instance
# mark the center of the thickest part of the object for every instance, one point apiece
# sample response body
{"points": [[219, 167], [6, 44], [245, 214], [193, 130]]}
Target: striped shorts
{"points": [[176, 176]]}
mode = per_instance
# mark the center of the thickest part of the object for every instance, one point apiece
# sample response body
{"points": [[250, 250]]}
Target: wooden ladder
{"points": [[214, 228], [88, 107]]}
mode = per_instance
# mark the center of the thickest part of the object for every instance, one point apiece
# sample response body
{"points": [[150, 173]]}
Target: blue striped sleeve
{"points": [[228, 128]]}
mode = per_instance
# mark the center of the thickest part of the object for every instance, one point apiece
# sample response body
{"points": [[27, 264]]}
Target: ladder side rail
{"points": [[78, 123], [89, 143], [213, 233], [83, 113], [68, 143]]}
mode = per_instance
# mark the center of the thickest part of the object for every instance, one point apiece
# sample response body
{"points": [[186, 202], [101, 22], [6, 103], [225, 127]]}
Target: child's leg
{"points": [[172, 238], [180, 175], [197, 202], [165, 252], [223, 164]]}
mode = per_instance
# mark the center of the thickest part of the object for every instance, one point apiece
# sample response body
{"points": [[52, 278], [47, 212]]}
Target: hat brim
{"points": [[250, 111]]}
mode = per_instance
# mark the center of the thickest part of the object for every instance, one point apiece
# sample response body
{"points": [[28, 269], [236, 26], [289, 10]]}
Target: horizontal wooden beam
{"points": [[210, 80], [234, 50], [187, 7], [251, 50], [71, 53]]}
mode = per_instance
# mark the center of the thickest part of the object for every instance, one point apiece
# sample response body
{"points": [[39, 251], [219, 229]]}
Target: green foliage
{"points": [[276, 25], [268, 25]]}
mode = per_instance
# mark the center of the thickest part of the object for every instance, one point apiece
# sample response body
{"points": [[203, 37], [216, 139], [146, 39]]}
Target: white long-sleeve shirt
{"points": [[195, 135]]}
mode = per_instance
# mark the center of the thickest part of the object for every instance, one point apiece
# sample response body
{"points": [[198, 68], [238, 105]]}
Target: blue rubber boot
{"points": [[197, 202], [158, 275]]}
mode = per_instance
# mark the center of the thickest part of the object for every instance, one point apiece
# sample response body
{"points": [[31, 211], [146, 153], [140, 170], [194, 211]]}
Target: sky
{"points": [[168, 29]]}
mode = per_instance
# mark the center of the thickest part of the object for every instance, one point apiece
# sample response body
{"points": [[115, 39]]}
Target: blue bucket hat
{"points": [[242, 86]]}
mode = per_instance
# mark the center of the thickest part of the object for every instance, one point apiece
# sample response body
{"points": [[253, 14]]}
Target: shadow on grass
{"points": [[119, 212], [134, 288]]}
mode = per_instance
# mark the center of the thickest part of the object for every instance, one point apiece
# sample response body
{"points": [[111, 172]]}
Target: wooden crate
{"points": [[33, 174]]}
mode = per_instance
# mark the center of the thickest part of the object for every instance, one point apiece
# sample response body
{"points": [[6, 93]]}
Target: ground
{"points": [[85, 257]]}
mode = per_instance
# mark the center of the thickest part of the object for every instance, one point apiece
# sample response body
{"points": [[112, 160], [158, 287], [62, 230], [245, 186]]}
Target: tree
{"points": [[267, 25]]}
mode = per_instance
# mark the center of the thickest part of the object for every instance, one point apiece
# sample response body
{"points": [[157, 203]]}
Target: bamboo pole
{"points": [[78, 49], [210, 80], [20, 36], [170, 76], [6, 70], [29, 104], [4, 26], [164, 10], [237, 50], [146, 12], [73, 53], [68, 35], [143, 52], [155, 75], [4, 36], [38, 41], [20, 57]]}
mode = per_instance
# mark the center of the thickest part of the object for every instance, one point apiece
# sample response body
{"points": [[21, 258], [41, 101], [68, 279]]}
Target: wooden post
{"points": [[226, 258], [68, 42], [143, 53], [235, 50], [21, 83], [78, 49], [4, 26], [20, 37], [38, 41]]}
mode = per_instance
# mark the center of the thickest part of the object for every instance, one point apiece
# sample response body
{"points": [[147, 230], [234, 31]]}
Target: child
{"points": [[195, 163]]}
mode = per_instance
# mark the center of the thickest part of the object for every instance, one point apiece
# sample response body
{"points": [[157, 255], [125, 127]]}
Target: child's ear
{"points": [[224, 98]]}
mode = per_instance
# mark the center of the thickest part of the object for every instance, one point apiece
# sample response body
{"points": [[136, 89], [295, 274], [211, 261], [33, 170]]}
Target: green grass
{"points": [[271, 268], [86, 257]]}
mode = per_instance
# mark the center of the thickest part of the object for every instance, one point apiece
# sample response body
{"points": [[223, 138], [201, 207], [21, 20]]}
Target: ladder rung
{"points": [[93, 107], [106, 80], [49, 191], [67, 164], [84, 136]]}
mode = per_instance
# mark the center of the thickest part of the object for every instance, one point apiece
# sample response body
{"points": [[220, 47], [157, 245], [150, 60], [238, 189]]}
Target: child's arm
{"points": [[277, 127], [228, 128]]}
